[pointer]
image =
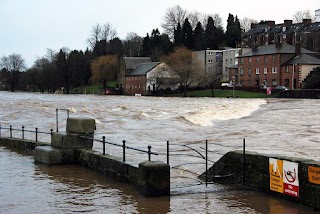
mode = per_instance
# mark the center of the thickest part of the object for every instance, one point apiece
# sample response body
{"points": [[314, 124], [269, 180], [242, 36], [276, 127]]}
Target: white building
{"points": [[210, 60], [317, 13]]}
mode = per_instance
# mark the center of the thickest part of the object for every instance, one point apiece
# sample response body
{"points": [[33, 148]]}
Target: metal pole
{"points": [[149, 153], [68, 113], [244, 162], [10, 131], [124, 150], [36, 134], [168, 152], [51, 132], [57, 119], [22, 132], [0, 130], [104, 144], [206, 162]]}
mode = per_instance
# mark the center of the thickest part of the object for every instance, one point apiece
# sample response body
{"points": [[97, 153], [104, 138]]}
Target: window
{"points": [[257, 71], [274, 82], [210, 61], [241, 71], [230, 61], [226, 53], [265, 59], [286, 69], [274, 58], [258, 59], [249, 72], [226, 60], [274, 70], [265, 71], [242, 82], [210, 53], [249, 59], [241, 61]]}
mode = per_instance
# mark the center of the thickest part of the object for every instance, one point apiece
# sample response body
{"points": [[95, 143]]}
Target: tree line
{"points": [[191, 31]]}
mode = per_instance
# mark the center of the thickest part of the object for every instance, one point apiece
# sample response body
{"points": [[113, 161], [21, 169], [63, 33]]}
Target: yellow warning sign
{"points": [[314, 174], [276, 175]]}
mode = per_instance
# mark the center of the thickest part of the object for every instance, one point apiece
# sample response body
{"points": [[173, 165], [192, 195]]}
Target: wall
{"points": [[256, 175]]}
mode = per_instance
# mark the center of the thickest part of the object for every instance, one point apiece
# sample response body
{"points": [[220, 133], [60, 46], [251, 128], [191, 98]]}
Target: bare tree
{"points": [[12, 66], [298, 16], [133, 44], [188, 69], [173, 16], [246, 22], [101, 32]]}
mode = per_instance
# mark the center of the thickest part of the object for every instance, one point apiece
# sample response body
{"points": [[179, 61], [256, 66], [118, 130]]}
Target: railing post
{"points": [[168, 152], [10, 131], [51, 131], [22, 132], [36, 134], [206, 162], [57, 119], [104, 144], [149, 153], [0, 130], [244, 162], [124, 150], [68, 113]]}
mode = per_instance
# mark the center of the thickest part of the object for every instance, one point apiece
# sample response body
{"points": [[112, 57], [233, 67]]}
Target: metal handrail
{"points": [[124, 146], [23, 130]]}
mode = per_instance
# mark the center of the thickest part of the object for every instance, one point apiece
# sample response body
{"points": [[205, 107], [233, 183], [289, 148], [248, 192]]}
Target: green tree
{"points": [[178, 36], [210, 35], [62, 70], [12, 66], [233, 32], [199, 42], [104, 69], [146, 46], [115, 47], [187, 33]]}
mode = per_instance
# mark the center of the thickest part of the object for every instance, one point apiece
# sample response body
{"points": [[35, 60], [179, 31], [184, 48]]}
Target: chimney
{"points": [[287, 22], [298, 48], [306, 21], [271, 23], [253, 25]]}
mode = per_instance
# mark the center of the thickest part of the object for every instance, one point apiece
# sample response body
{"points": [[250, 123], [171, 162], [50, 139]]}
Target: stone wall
{"points": [[305, 93], [256, 175]]}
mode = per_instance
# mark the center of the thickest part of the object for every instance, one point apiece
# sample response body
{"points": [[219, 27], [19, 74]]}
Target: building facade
{"points": [[210, 60], [274, 65], [150, 77], [305, 33]]}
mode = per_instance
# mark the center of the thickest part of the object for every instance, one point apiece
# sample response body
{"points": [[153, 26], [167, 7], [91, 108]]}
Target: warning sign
{"points": [[314, 174], [290, 178], [276, 175]]}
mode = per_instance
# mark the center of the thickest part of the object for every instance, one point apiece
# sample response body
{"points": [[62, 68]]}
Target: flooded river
{"points": [[272, 126]]}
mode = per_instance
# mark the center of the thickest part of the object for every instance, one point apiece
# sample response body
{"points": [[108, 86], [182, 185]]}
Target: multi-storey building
{"points": [[306, 33], [210, 61], [278, 64], [317, 14]]}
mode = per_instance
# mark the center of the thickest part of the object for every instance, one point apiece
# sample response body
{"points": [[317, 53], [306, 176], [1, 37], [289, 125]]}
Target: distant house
{"points": [[278, 64], [150, 77], [127, 64]]}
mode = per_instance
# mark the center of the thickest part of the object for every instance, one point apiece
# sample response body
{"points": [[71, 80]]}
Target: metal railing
{"points": [[123, 145], [57, 116], [23, 131]]}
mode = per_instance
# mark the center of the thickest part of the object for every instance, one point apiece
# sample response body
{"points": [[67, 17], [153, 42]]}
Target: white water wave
{"points": [[206, 116]]}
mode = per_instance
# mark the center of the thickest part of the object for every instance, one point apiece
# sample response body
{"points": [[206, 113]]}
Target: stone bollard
{"points": [[63, 144], [154, 178]]}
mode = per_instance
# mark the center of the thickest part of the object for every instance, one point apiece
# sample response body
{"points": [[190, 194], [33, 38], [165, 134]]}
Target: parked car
{"points": [[281, 88]]}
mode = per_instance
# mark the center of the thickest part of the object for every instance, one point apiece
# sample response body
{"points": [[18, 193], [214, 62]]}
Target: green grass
{"points": [[226, 93], [90, 89]]}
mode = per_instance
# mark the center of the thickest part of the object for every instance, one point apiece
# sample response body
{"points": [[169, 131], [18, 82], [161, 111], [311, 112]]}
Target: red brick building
{"points": [[274, 65]]}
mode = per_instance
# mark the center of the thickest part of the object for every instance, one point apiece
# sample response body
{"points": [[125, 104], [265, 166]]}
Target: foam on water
{"points": [[226, 111]]}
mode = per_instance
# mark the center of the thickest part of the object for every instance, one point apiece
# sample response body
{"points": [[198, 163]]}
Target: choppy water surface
{"points": [[275, 126]]}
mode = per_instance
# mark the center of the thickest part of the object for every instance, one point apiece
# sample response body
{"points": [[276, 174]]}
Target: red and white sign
{"points": [[290, 178], [268, 90]]}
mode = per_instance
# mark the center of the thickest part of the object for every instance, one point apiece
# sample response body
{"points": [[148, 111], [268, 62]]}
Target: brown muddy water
{"points": [[273, 126]]}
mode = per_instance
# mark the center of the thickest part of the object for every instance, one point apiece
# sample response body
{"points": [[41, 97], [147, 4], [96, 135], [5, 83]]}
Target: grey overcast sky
{"points": [[29, 27]]}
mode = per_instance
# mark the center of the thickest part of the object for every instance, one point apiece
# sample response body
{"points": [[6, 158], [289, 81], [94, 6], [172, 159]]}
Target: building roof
{"points": [[312, 27], [272, 49], [304, 59], [143, 69], [256, 30], [132, 62]]}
